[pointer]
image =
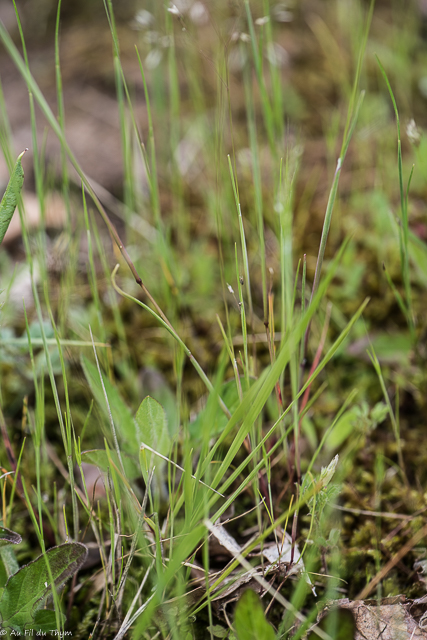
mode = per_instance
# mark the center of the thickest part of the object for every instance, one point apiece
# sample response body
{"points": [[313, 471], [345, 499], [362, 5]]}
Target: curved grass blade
{"points": [[10, 199]]}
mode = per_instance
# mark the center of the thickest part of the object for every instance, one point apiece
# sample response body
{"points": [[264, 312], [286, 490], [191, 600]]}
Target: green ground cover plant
{"points": [[212, 411]]}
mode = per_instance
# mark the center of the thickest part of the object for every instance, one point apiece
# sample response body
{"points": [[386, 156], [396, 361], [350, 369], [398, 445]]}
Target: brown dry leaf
{"points": [[396, 618], [231, 587]]}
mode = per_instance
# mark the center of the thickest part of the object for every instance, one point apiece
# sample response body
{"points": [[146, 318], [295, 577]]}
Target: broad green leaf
{"points": [[122, 417], [155, 385], [378, 413], [393, 348], [4, 575], [249, 619], [45, 620], [334, 537], [153, 426], [7, 536], [343, 429], [10, 199], [217, 631], [357, 419], [418, 253], [390, 348], [29, 587], [8, 564]]}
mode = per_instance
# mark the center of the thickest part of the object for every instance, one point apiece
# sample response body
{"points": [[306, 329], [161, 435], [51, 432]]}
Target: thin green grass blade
{"points": [[242, 238], [352, 105], [320, 367], [397, 295], [258, 394], [65, 180], [69, 429], [404, 230], [256, 173], [332, 197], [265, 102]]}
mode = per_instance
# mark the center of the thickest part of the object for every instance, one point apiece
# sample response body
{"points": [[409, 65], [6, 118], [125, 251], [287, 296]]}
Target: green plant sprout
{"points": [[27, 588]]}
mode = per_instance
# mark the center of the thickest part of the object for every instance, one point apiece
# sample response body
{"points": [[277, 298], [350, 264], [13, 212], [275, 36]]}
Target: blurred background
{"points": [[315, 49]]}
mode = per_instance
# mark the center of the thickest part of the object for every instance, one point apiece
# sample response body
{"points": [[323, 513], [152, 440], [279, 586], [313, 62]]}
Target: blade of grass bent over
{"points": [[173, 333]]}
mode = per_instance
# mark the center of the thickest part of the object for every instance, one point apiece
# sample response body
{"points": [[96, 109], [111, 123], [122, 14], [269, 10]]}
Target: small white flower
{"points": [[151, 37], [327, 472], [281, 12], [198, 13], [237, 59], [144, 18], [277, 55], [183, 6], [173, 9], [413, 133], [153, 58], [262, 21], [165, 41]]}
